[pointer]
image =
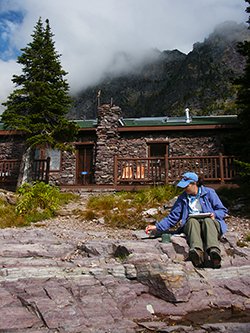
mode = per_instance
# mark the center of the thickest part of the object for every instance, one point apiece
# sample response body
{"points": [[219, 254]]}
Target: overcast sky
{"points": [[89, 32]]}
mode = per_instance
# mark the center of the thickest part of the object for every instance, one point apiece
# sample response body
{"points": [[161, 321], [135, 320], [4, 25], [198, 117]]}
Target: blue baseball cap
{"points": [[187, 178]]}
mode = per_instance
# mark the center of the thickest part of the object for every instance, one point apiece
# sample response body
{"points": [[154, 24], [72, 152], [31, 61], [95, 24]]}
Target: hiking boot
{"points": [[215, 257], [197, 257]]}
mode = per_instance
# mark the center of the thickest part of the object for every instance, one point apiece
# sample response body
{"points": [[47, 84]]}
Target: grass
{"points": [[125, 209], [120, 210], [242, 243], [229, 194]]}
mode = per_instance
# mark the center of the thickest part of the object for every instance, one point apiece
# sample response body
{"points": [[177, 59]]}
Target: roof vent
{"points": [[188, 118]]}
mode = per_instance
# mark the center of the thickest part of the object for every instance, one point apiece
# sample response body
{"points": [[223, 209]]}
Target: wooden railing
{"points": [[9, 170], [41, 170], [169, 169]]}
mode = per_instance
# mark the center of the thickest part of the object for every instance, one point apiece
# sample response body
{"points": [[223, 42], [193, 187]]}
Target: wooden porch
{"points": [[155, 170], [9, 171], [132, 174]]}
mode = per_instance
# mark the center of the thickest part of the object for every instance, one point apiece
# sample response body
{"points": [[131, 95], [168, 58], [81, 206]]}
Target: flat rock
{"points": [[50, 283]]}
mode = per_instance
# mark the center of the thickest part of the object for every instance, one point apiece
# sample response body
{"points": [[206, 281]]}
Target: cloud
{"points": [[7, 69], [89, 34]]}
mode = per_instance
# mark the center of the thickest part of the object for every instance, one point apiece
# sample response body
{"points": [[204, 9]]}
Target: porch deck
{"points": [[132, 174], [214, 169]]}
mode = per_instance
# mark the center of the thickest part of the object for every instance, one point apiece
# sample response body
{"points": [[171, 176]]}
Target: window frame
{"points": [[152, 144]]}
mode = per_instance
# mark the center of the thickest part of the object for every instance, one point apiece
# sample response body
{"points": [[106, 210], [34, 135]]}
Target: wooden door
{"points": [[84, 164]]}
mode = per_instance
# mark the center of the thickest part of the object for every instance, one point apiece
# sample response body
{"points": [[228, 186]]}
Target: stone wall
{"points": [[11, 147], [132, 145], [66, 176], [205, 143], [180, 144]]}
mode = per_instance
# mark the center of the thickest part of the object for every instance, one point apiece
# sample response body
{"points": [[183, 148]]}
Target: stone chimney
{"points": [[107, 142]]}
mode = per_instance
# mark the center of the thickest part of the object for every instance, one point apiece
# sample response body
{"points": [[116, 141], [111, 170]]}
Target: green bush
{"points": [[37, 195], [229, 195], [244, 174], [35, 202]]}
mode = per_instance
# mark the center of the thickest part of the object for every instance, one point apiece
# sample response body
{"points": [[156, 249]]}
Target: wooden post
{"points": [[222, 181], [47, 170], [115, 170], [166, 168]]}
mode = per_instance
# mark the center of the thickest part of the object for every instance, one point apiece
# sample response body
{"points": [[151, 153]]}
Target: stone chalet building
{"points": [[109, 147]]}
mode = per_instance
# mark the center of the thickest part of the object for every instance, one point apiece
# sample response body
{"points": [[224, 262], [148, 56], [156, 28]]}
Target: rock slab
{"points": [[54, 284]]}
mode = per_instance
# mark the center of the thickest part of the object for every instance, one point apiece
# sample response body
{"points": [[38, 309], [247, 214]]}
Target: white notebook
{"points": [[200, 215]]}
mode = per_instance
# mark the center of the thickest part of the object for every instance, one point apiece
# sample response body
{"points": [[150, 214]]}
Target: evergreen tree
{"points": [[243, 97], [39, 104], [240, 143]]}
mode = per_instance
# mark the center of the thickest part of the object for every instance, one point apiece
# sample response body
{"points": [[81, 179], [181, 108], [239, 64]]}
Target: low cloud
{"points": [[107, 35]]}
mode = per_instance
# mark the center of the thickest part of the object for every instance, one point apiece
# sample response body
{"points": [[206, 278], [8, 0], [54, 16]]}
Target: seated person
{"points": [[203, 234]]}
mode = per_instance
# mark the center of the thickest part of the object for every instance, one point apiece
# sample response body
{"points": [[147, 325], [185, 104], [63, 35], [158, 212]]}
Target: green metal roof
{"points": [[215, 120], [86, 123], [177, 121], [167, 121], [162, 121]]}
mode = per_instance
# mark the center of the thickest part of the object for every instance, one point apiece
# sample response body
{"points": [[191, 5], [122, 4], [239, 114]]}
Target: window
{"points": [[54, 154], [157, 149]]}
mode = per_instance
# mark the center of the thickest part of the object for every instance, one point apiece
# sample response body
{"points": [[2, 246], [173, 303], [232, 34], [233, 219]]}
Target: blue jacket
{"points": [[210, 203]]}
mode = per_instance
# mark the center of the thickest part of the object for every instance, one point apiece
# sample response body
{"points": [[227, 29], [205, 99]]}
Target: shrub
{"points": [[38, 195], [228, 194], [36, 202]]}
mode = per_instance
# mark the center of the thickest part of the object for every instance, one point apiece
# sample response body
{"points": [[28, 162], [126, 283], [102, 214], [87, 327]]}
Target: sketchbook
{"points": [[200, 215]]}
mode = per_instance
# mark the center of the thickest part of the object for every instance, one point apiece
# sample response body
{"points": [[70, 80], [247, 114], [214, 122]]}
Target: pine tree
{"points": [[243, 96], [39, 104], [241, 141]]}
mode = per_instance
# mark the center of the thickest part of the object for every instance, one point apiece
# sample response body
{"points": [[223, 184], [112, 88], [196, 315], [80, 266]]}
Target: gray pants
{"points": [[202, 233]]}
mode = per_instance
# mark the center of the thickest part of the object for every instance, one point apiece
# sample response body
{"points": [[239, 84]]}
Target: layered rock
{"points": [[49, 283]]}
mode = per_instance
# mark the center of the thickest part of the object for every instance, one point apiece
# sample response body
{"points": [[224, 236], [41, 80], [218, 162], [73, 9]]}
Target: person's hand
{"points": [[150, 228], [212, 216]]}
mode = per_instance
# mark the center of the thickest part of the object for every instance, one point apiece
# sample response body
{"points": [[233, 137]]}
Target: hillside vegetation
{"points": [[165, 86]]}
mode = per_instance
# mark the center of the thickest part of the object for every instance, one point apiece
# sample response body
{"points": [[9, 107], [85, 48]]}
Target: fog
{"points": [[96, 36]]}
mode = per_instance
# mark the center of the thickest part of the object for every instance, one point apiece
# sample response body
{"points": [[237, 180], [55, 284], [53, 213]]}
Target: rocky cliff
{"points": [[200, 80]]}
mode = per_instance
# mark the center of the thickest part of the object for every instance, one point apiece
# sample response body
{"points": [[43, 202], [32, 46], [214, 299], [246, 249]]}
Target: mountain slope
{"points": [[200, 80]]}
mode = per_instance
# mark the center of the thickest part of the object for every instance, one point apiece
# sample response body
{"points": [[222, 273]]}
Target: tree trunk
{"points": [[26, 167]]}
